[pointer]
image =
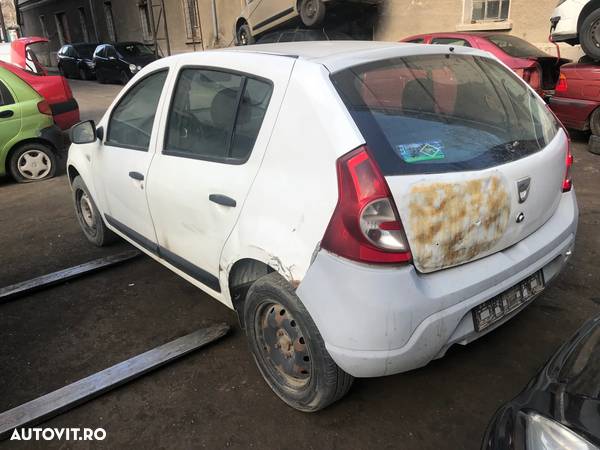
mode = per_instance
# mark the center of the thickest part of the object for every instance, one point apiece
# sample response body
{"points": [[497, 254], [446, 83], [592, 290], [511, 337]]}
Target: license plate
{"points": [[500, 306]]}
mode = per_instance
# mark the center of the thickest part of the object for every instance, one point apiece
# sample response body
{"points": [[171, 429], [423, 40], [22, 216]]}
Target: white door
{"points": [[217, 129], [121, 163]]}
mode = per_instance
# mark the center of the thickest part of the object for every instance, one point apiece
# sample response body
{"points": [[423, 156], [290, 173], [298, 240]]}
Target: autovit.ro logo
{"points": [[60, 434]]}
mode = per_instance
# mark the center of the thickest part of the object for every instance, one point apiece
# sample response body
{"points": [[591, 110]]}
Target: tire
{"points": [[62, 72], [288, 348], [244, 35], [100, 78], [124, 78], [595, 122], [32, 161], [83, 74], [594, 145], [312, 12], [88, 216], [589, 35]]}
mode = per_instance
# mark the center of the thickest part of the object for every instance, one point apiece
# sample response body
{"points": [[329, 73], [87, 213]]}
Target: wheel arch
{"points": [[241, 21], [586, 11], [72, 172], [32, 140]]}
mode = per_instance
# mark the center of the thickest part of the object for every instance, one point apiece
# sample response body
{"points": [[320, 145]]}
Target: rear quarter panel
{"points": [[295, 191]]}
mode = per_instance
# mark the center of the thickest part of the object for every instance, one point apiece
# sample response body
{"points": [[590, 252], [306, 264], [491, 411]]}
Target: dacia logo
{"points": [[523, 189]]}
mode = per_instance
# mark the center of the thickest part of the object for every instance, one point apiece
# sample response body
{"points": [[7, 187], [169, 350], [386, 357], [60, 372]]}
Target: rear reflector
{"points": [[562, 84], [365, 225], [568, 182], [44, 107]]}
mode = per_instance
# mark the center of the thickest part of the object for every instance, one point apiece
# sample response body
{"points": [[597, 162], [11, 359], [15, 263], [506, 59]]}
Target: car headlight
{"points": [[133, 68], [546, 434]]}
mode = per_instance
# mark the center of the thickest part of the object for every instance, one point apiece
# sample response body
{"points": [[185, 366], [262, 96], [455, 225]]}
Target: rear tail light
{"points": [[562, 84], [568, 182], [44, 107], [365, 225]]}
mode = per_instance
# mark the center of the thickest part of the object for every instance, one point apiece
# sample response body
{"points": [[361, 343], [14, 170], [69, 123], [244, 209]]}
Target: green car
{"points": [[29, 139]]}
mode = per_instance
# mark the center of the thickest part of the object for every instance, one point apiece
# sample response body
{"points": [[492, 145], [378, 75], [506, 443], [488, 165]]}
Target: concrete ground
{"points": [[216, 397]]}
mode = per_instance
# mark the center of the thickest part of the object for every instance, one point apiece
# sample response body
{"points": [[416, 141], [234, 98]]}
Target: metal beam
{"points": [[81, 391], [26, 287]]}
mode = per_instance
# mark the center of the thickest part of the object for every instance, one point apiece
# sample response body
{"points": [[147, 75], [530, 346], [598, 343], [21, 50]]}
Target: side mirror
{"points": [[83, 132]]}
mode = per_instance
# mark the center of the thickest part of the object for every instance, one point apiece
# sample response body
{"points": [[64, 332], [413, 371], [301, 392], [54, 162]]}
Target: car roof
{"points": [[337, 55]]}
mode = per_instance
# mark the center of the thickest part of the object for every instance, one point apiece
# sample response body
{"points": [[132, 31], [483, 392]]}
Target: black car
{"points": [[121, 61], [301, 34], [560, 407], [76, 60]]}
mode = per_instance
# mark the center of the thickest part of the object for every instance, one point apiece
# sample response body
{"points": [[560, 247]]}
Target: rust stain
{"points": [[452, 223]]}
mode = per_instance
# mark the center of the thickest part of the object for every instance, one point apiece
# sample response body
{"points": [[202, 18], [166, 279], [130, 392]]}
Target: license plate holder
{"points": [[498, 307]]}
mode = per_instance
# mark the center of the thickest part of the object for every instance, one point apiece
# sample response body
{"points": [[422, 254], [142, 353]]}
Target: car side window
{"points": [[216, 115], [6, 97], [416, 41], [130, 124], [110, 51], [450, 41]]}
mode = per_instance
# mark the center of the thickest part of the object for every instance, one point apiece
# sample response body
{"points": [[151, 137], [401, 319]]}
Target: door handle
{"points": [[136, 176], [222, 200], [6, 114]]}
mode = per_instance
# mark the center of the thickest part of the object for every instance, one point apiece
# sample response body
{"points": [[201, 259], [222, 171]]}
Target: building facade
{"points": [[189, 25]]}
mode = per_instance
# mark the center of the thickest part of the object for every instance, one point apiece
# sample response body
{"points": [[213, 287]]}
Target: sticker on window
{"points": [[424, 151]]}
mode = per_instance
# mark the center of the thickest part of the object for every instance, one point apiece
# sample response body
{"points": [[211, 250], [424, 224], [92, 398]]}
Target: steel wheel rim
{"points": [[310, 8], [595, 31], [282, 346], [34, 165], [85, 210], [244, 38]]}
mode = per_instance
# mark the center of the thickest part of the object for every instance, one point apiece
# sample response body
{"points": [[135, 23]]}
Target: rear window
{"points": [[443, 113], [515, 47]]}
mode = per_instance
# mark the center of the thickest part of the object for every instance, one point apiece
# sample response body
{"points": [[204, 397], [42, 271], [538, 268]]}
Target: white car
{"points": [[578, 22], [260, 16], [362, 206]]}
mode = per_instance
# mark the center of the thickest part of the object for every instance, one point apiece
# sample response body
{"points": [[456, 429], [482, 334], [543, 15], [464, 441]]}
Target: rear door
{"points": [[121, 162], [217, 129], [473, 158], [10, 116]]}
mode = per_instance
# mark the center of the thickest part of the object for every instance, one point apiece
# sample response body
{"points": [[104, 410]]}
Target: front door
{"points": [[267, 12], [216, 134], [122, 161]]}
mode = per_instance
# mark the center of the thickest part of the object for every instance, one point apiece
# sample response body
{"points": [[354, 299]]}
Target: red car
{"points": [[577, 98], [54, 88], [538, 68]]}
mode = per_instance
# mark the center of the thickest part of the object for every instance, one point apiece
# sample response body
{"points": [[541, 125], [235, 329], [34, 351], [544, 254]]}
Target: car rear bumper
{"points": [[66, 114], [573, 112], [379, 321], [55, 136]]}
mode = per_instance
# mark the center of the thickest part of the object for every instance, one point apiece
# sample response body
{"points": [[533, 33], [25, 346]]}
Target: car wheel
{"points": [[589, 35], [89, 217], [595, 122], [312, 12], [594, 145], [32, 161], [244, 35], [99, 77], [288, 348], [62, 72], [124, 78]]}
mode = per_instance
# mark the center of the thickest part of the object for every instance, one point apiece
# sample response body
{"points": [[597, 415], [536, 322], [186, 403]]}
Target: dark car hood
{"points": [[566, 390], [142, 60]]}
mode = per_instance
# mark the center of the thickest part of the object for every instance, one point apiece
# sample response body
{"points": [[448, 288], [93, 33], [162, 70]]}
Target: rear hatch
{"points": [[474, 160]]}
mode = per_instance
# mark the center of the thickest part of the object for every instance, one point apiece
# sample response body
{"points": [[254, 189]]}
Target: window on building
{"points": [[83, 25], [145, 21], [62, 27], [489, 10], [193, 28], [43, 27], [110, 23]]}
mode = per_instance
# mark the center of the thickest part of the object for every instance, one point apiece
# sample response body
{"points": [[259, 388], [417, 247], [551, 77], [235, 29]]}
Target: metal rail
{"points": [[74, 394]]}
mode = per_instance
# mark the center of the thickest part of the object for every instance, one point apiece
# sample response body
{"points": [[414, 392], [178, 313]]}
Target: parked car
{"points": [[261, 16], [77, 60], [577, 99], [57, 92], [560, 407], [538, 68], [300, 34], [425, 202], [121, 61], [29, 139], [577, 22], [19, 53]]}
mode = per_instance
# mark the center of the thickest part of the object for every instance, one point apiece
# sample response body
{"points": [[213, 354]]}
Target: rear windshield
{"points": [[516, 47], [443, 113]]}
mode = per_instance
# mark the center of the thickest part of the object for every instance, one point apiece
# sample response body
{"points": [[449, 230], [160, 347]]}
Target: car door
{"points": [[112, 63], [121, 163], [267, 12], [69, 62], [10, 117], [100, 61], [215, 136]]}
